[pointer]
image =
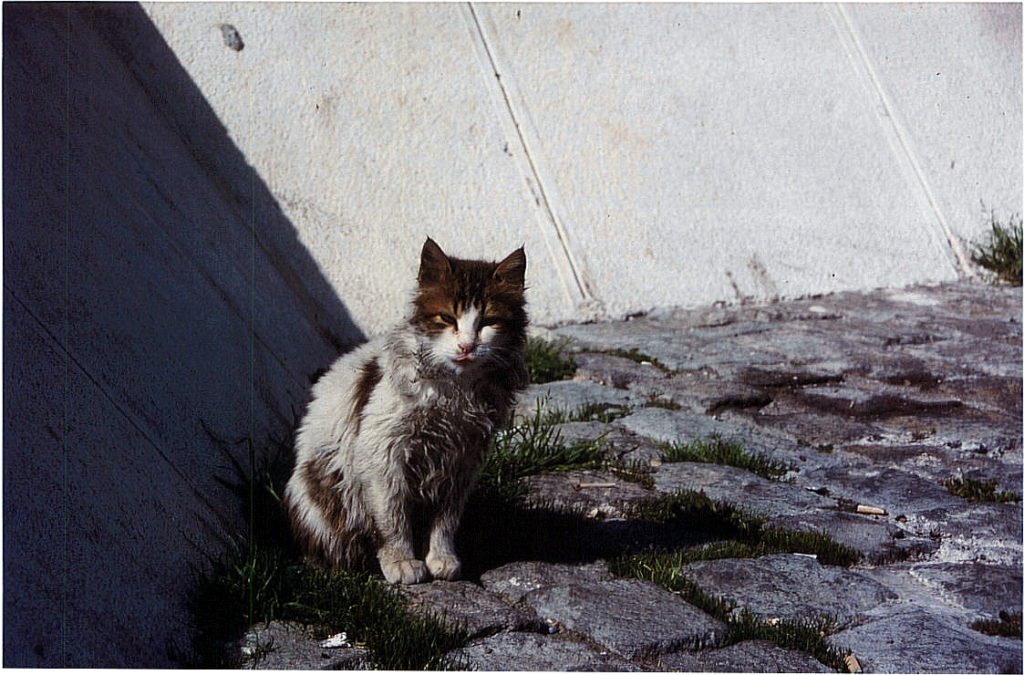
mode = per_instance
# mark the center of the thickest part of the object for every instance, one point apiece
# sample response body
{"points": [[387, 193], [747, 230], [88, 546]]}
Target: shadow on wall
{"points": [[159, 313]]}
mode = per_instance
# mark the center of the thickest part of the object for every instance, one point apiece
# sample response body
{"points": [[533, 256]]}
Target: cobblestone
{"points": [[873, 399]]}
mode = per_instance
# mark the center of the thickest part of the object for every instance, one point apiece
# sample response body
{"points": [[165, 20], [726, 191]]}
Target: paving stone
{"points": [[752, 656], [789, 586], [683, 427], [538, 653], [631, 617], [741, 488], [285, 646], [986, 589], [880, 540], [917, 640], [570, 395], [514, 580], [465, 603], [897, 491], [701, 392], [622, 445], [615, 371], [597, 494]]}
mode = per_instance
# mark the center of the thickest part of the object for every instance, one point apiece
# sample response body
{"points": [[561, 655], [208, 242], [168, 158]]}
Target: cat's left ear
{"points": [[434, 265], [512, 270]]}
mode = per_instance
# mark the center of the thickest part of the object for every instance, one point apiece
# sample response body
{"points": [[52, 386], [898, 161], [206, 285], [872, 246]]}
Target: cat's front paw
{"points": [[445, 567], [404, 571]]}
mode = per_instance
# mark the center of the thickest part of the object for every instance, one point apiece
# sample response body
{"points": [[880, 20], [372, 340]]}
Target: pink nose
{"points": [[466, 347]]}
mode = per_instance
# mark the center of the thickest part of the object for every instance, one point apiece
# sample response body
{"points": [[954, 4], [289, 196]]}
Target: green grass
{"points": [[665, 569], [979, 491], [1008, 625], [262, 577], [588, 412], [549, 361], [270, 584], [718, 451], [534, 446], [1000, 253], [636, 355], [740, 534]]}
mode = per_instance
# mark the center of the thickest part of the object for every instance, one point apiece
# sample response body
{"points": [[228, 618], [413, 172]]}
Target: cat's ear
{"points": [[512, 270], [434, 265]]}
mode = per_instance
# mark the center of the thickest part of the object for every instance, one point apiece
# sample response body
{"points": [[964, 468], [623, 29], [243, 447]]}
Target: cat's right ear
{"points": [[434, 265]]}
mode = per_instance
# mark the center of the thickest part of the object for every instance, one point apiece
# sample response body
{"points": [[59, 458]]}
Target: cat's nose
{"points": [[466, 347]]}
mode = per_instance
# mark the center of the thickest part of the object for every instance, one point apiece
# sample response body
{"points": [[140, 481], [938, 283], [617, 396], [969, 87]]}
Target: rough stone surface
{"points": [[633, 618], [467, 604], [569, 396], [872, 399], [926, 642], [515, 580], [277, 646], [533, 652], [753, 656], [790, 587]]}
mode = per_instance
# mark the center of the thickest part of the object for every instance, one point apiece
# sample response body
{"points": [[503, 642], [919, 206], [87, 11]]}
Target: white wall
{"points": [[647, 155], [191, 231]]}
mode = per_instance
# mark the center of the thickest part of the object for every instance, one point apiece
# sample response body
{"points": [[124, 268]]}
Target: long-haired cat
{"points": [[395, 434]]}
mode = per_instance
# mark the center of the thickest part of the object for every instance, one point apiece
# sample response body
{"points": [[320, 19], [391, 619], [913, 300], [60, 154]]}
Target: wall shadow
{"points": [[159, 312]]}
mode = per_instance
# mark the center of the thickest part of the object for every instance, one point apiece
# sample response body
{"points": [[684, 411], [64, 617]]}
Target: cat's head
{"points": [[470, 312]]}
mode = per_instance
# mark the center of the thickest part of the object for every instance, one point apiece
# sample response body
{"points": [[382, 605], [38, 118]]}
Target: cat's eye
{"points": [[448, 319], [490, 321]]}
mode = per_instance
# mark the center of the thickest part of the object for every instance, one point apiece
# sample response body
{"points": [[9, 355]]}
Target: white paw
{"points": [[404, 571], [445, 567]]}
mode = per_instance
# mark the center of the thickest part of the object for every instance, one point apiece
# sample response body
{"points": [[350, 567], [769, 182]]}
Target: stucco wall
{"points": [[647, 155]]}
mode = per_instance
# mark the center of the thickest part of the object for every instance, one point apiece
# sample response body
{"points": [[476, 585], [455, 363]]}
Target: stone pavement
{"points": [[873, 399]]}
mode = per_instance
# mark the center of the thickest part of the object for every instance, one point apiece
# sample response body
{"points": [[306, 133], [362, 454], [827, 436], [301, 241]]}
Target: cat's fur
{"points": [[395, 434]]}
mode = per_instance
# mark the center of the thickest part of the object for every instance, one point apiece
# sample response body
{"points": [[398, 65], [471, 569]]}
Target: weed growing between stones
{"points": [[262, 577], [1001, 252], [548, 361], [739, 534], [979, 491], [588, 412], [534, 446], [718, 451], [1008, 625], [636, 355], [665, 569]]}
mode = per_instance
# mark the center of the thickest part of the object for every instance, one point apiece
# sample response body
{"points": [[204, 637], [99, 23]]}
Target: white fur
{"points": [[419, 441]]}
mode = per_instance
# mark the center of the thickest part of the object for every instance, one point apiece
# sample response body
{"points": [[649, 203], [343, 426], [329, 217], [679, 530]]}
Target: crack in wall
{"points": [[506, 92], [896, 133]]}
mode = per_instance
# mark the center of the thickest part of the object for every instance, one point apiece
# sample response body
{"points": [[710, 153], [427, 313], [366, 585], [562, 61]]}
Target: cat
{"points": [[396, 431]]}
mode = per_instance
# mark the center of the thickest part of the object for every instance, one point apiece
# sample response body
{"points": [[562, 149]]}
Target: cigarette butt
{"points": [[595, 485], [870, 510], [852, 664]]}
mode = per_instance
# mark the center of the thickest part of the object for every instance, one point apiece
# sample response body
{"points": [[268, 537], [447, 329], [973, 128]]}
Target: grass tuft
{"points": [[636, 355], [534, 446], [1001, 252], [697, 511], [741, 534], [286, 589], [548, 361], [979, 491], [718, 451], [807, 635], [262, 577]]}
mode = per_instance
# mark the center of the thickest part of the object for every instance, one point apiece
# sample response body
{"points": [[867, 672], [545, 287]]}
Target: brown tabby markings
{"points": [[369, 376]]}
